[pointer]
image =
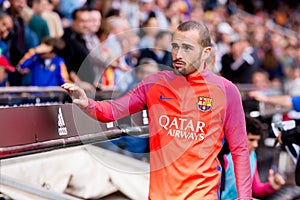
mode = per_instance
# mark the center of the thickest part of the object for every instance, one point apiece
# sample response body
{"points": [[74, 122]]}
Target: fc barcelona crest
{"points": [[204, 104]]}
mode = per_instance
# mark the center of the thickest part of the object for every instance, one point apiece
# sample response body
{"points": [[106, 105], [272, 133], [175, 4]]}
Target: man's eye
{"points": [[175, 47], [252, 140], [187, 48]]}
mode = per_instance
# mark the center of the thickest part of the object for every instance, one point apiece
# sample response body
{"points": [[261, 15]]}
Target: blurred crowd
{"points": [[99, 44], [96, 43]]}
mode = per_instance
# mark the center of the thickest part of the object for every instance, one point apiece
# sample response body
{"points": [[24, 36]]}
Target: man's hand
{"points": [[275, 180], [77, 94]]}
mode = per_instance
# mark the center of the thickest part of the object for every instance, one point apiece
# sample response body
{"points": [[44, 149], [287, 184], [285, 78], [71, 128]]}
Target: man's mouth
{"points": [[178, 64]]}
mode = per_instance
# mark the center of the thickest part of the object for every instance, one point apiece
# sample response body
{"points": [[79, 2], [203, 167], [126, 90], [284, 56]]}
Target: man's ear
{"points": [[206, 52]]}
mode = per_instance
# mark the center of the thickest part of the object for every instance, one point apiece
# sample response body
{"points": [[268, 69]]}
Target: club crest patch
{"points": [[52, 68], [204, 104]]}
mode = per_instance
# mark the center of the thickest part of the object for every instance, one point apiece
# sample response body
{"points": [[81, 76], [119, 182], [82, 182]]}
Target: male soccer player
{"points": [[190, 111]]}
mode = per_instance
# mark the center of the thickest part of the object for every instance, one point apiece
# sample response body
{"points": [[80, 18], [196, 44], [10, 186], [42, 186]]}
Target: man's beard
{"points": [[185, 71], [181, 72]]}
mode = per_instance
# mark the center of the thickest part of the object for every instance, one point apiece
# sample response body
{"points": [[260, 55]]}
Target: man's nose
{"points": [[255, 144], [179, 53]]}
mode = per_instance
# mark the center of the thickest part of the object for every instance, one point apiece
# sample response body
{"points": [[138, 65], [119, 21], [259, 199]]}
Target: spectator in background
{"points": [[146, 67], [211, 60], [173, 14], [245, 59], [118, 46], [151, 8], [161, 50], [131, 11], [117, 75], [224, 37], [4, 67], [104, 31], [197, 12], [113, 76], [97, 53], [33, 18], [6, 26], [45, 9], [131, 49], [149, 30], [260, 79], [21, 40], [95, 20], [292, 87], [254, 132], [289, 60], [91, 38], [239, 25], [259, 35], [114, 12], [57, 9], [292, 84], [272, 64], [67, 7], [159, 10], [76, 53], [117, 38], [226, 62], [47, 68]]}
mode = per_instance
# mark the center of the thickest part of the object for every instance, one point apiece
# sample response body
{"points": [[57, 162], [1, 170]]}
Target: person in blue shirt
{"points": [[47, 69]]}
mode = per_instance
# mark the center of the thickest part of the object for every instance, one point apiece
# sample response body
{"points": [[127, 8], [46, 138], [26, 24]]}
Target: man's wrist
{"points": [[88, 106]]}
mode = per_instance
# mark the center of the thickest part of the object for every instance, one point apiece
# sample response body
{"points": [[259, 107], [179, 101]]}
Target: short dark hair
{"points": [[31, 2], [261, 71], [147, 61], [4, 14], [81, 9], [57, 43], [203, 31], [161, 34], [254, 126]]}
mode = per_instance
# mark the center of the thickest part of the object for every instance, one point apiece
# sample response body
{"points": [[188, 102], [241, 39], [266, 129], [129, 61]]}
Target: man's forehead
{"points": [[252, 136], [188, 37], [83, 14]]}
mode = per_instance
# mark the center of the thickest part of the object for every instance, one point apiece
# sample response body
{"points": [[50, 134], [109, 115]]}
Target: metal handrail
{"points": [[28, 89], [34, 190], [21, 150]]}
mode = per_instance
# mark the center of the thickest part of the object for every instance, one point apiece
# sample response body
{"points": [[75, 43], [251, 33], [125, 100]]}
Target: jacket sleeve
{"points": [[235, 130], [107, 111], [28, 59], [64, 74], [260, 189], [296, 103]]}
